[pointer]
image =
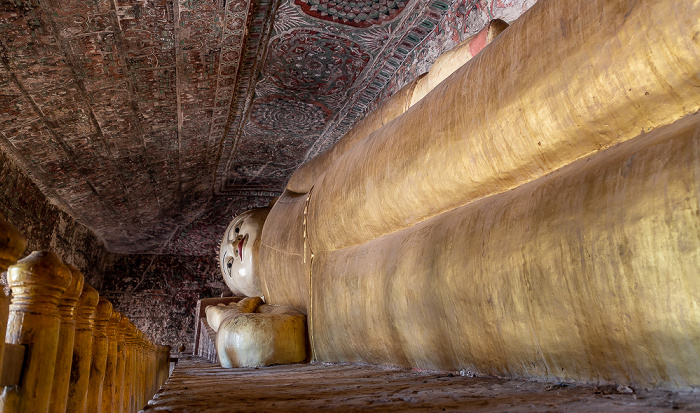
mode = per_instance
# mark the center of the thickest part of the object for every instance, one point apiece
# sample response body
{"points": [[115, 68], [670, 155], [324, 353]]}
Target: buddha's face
{"points": [[238, 256]]}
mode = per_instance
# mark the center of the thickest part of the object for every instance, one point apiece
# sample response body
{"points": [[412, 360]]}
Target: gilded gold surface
{"points": [[455, 58], [100, 348], [282, 266], [130, 372], [109, 385], [82, 349], [119, 399], [594, 74], [590, 273], [12, 244]]}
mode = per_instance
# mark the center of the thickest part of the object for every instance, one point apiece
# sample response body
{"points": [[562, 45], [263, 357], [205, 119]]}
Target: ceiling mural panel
{"points": [[275, 149], [252, 56], [315, 62], [202, 236], [128, 98], [28, 54], [353, 13], [289, 117]]}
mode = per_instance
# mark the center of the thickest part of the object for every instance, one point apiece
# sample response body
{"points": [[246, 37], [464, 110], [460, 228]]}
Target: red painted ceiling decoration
{"points": [[289, 117], [353, 13], [154, 122], [313, 61]]}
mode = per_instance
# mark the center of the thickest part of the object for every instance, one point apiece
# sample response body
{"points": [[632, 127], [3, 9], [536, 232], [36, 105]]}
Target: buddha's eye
{"points": [[237, 230]]}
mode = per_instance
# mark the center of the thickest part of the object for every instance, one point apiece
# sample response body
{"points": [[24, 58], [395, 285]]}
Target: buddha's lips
{"points": [[240, 246]]}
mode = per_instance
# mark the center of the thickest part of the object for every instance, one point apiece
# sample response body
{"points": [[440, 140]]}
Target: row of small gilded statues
{"points": [[65, 347]]}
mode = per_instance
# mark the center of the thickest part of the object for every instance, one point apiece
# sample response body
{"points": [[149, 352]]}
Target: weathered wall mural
{"points": [[355, 14], [118, 108], [45, 226], [202, 237], [313, 61], [159, 292]]}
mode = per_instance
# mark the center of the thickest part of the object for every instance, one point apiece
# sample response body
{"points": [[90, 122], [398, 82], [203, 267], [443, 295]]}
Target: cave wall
{"points": [[157, 292], [45, 226]]}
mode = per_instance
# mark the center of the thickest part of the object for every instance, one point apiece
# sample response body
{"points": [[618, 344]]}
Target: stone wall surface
{"points": [[45, 226], [159, 292]]}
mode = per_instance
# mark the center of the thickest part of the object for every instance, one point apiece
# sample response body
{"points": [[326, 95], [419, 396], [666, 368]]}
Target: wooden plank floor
{"points": [[199, 386]]}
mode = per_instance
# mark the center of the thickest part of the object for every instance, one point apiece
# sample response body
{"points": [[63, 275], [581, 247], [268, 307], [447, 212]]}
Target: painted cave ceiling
{"points": [[154, 122]]}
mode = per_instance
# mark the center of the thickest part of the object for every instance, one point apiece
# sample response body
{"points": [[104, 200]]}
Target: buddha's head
{"points": [[238, 255]]}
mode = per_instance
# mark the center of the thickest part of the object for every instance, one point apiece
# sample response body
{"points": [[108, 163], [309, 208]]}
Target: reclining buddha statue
{"points": [[250, 333], [536, 214]]}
